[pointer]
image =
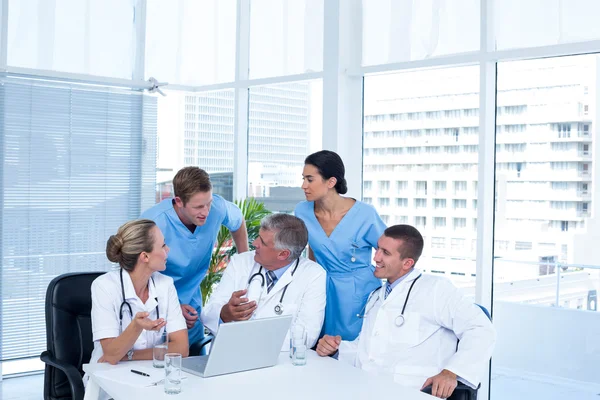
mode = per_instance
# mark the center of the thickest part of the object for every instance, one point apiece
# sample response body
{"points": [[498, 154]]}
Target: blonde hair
{"points": [[132, 238], [190, 180]]}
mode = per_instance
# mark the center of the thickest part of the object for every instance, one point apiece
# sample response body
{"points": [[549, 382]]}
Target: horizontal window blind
{"points": [[77, 162]]}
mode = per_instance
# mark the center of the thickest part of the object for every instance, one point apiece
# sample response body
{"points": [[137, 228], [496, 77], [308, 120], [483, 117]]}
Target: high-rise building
{"points": [[421, 158], [277, 127]]}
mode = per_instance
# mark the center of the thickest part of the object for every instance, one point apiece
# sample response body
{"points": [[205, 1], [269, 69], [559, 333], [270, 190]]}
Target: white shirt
{"points": [[106, 301], [437, 315], [304, 298]]}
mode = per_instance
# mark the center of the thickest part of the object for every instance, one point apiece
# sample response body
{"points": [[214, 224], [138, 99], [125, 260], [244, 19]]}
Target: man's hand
{"points": [[190, 314], [238, 308], [141, 319], [442, 385], [328, 345]]}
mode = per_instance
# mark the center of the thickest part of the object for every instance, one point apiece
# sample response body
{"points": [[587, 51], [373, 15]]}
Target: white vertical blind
{"points": [[77, 162]]}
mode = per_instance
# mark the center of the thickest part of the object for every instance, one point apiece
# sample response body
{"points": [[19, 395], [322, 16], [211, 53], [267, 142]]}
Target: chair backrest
{"points": [[485, 311], [68, 328]]}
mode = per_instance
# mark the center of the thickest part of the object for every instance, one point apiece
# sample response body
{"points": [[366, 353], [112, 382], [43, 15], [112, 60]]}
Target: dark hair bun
{"points": [[341, 186]]}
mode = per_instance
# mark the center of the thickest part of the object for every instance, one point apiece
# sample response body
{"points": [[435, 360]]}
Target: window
{"points": [[458, 203], [439, 222], [438, 243], [89, 152], [402, 203], [286, 37], [536, 24], [402, 219], [439, 187], [66, 41], [205, 120], [284, 126], [401, 186], [384, 186], [172, 52], [439, 203], [460, 186], [523, 245], [420, 203], [384, 202], [418, 30], [459, 223], [436, 123], [457, 244], [421, 187]]}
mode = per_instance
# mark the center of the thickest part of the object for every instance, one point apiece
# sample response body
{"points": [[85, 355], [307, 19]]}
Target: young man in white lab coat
{"points": [[412, 324], [272, 280]]}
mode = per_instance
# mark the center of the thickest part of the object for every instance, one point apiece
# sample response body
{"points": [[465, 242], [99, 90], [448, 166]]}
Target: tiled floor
{"points": [[23, 388], [503, 388]]}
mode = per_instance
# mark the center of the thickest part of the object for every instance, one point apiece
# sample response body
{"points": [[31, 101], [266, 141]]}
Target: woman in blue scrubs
{"points": [[342, 233]]}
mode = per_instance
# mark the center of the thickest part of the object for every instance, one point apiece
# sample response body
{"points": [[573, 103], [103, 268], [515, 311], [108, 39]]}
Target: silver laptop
{"points": [[242, 346]]}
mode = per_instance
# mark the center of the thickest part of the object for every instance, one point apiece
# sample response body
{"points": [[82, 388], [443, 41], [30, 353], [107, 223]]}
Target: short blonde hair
{"points": [[132, 238], [189, 181]]}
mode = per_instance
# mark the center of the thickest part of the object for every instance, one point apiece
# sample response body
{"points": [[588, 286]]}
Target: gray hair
{"points": [[290, 233]]}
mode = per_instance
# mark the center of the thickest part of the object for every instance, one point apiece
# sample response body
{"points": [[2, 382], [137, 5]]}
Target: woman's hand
{"points": [[141, 320]]}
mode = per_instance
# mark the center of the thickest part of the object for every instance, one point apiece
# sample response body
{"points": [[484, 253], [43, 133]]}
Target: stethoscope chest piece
{"points": [[399, 321], [278, 309]]}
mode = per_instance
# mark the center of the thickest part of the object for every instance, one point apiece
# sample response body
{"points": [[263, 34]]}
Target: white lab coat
{"points": [[304, 299], [107, 298], [436, 316]]}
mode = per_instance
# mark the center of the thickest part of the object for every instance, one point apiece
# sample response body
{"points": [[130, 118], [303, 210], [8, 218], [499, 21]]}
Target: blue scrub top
{"points": [[190, 253], [348, 282]]}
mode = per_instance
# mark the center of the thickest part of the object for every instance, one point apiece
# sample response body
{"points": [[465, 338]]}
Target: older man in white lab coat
{"points": [[413, 322], [272, 280]]}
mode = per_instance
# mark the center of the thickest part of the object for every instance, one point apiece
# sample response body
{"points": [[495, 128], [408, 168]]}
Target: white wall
{"points": [[547, 341]]}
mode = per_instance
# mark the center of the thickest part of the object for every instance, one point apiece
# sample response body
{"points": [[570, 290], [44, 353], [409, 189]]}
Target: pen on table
{"points": [[139, 372]]}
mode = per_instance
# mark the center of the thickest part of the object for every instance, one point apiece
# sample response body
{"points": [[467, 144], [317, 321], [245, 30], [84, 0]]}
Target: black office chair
{"points": [[462, 391], [197, 348], [68, 335]]}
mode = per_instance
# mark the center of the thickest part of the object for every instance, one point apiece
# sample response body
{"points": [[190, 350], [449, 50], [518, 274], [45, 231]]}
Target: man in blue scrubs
{"points": [[190, 223]]}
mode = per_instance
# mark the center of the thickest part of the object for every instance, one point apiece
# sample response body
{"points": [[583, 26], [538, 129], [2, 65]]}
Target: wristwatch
{"points": [[130, 354]]}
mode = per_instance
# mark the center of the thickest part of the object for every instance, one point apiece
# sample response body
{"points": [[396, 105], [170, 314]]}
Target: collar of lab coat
{"points": [[412, 275], [130, 291], [281, 282]]}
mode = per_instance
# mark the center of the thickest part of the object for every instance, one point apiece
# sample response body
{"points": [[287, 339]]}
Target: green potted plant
{"points": [[253, 212]]}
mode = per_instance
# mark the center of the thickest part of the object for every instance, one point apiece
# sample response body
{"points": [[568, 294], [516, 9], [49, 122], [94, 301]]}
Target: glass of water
{"points": [[172, 373], [299, 349], [161, 346], [296, 331]]}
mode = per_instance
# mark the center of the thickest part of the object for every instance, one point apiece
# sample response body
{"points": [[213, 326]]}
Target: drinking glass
{"points": [[299, 347], [296, 331], [161, 346], [172, 373]]}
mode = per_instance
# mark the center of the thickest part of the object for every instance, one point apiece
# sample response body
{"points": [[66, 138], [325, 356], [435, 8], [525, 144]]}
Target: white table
{"points": [[320, 378]]}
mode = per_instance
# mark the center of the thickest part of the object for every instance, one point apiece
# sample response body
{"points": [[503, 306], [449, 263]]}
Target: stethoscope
{"points": [[278, 309], [399, 320], [125, 303]]}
